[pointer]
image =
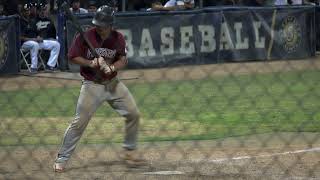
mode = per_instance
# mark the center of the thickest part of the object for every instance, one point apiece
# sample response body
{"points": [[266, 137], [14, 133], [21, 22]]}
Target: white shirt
{"points": [[80, 11], [172, 3], [281, 2], [296, 1]]}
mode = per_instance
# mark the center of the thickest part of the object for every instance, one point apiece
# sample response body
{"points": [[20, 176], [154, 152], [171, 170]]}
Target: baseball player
{"points": [[99, 87]]}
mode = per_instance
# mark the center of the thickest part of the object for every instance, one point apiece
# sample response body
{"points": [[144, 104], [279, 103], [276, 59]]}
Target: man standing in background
{"points": [[92, 6], [76, 7]]}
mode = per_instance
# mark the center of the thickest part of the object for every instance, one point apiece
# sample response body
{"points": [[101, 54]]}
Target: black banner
{"points": [[214, 35], [9, 44]]}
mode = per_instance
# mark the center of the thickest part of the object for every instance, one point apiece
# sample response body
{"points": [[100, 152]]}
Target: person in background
{"points": [[295, 2], [224, 2], [33, 10], [20, 7], [137, 5], [47, 31], [265, 2], [180, 4], [92, 6], [312, 2], [254, 2], [2, 13], [156, 5], [112, 3], [76, 7], [29, 39]]}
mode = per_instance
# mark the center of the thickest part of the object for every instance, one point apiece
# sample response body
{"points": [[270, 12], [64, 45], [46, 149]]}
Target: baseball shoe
{"points": [[59, 167], [133, 159], [49, 69], [33, 70]]}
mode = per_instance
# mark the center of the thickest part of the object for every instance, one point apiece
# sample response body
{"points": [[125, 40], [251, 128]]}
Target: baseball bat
{"points": [[76, 24]]}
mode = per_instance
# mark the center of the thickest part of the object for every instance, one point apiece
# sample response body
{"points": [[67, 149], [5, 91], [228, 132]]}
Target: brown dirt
{"points": [[195, 159]]}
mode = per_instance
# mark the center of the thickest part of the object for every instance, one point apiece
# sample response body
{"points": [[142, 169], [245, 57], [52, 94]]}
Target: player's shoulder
{"points": [[90, 31], [118, 35]]}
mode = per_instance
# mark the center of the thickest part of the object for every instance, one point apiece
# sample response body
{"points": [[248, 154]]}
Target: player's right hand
{"points": [[104, 66], [94, 63]]}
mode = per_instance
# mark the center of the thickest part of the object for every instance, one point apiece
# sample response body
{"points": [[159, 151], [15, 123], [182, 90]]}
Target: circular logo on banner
{"points": [[3, 48], [290, 34]]}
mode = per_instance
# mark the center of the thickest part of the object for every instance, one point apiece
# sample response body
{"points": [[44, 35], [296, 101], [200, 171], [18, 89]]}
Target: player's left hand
{"points": [[104, 66]]}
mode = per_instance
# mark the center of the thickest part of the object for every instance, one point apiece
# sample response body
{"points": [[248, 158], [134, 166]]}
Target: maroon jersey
{"points": [[111, 49]]}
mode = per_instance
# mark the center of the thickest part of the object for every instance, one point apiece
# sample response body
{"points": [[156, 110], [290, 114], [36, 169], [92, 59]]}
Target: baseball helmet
{"points": [[104, 16]]}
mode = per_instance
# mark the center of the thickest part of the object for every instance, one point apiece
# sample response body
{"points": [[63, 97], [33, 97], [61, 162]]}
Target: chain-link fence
{"points": [[257, 120]]}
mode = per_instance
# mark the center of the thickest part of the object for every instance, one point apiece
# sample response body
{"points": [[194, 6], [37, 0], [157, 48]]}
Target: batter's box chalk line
{"points": [[164, 173], [259, 156], [222, 160]]}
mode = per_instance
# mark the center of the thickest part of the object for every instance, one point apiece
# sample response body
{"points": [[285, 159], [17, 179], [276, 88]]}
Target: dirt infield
{"points": [[265, 156]]}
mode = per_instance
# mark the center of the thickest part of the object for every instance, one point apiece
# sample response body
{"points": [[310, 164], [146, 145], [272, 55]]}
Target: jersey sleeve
{"points": [[121, 49], [77, 48]]}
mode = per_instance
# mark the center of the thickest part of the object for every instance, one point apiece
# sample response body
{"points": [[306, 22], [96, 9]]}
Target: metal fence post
{"points": [[123, 4]]}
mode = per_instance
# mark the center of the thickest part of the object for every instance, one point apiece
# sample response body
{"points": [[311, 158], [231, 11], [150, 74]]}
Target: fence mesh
{"points": [[257, 120]]}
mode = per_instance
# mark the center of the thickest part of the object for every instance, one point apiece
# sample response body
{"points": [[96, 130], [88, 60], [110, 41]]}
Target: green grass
{"points": [[181, 110]]}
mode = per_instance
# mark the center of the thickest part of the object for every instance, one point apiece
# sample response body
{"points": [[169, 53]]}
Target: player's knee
{"points": [[78, 123], [35, 46], [134, 115], [56, 45]]}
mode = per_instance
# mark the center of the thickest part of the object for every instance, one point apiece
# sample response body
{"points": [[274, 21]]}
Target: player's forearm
{"points": [[121, 63], [161, 8], [171, 8], [189, 6], [81, 61]]}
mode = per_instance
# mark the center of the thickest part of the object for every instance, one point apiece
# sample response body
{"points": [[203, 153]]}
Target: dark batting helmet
{"points": [[104, 16]]}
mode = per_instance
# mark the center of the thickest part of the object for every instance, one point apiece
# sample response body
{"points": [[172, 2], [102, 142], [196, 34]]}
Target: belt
{"points": [[105, 82]]}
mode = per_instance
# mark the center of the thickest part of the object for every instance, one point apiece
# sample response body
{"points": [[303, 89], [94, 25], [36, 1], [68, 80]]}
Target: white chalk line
{"points": [[233, 159], [259, 156], [164, 173]]}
